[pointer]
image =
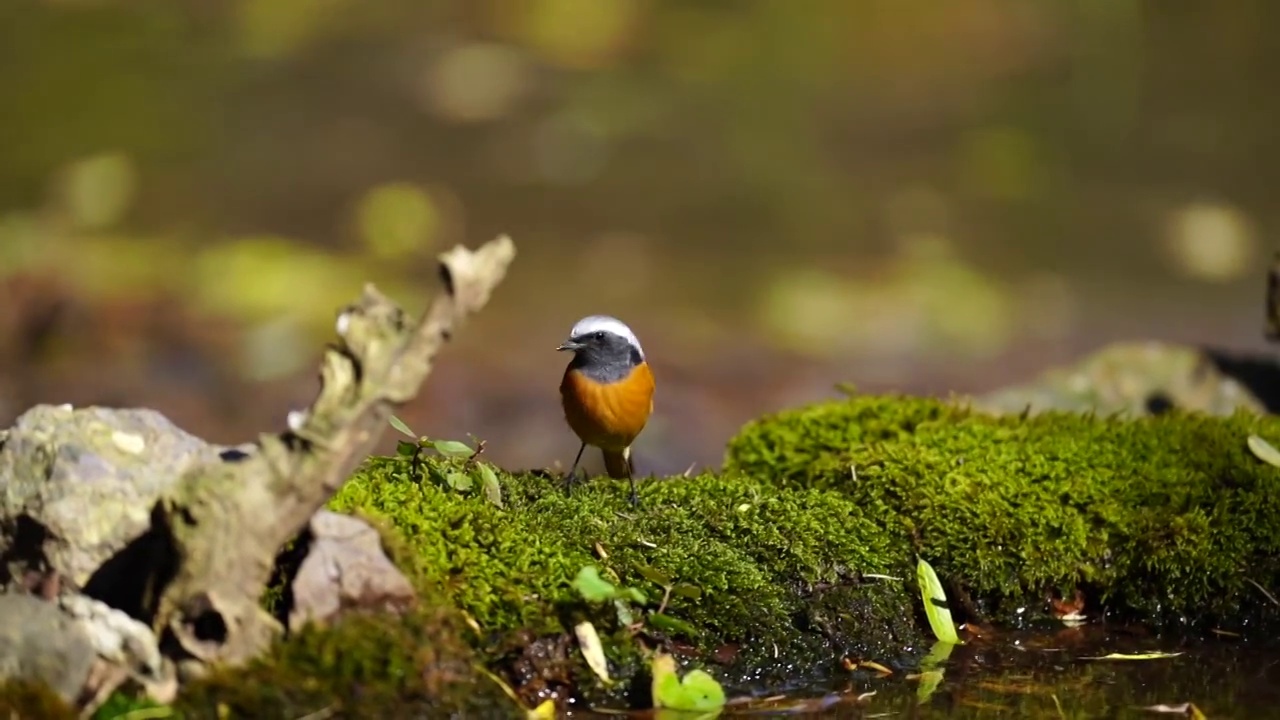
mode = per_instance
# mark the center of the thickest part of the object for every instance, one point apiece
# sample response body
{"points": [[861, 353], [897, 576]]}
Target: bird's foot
{"points": [[570, 479]]}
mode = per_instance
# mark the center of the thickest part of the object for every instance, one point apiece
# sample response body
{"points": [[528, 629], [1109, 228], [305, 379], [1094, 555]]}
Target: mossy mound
{"points": [[1161, 518], [25, 699], [364, 665], [778, 576], [1164, 518]]}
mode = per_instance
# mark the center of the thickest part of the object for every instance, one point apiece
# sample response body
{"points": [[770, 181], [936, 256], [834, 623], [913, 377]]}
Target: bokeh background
{"points": [[777, 195]]}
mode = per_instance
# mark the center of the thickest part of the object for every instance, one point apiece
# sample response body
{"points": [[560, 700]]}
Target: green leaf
{"points": [[453, 448], [697, 691], [635, 594], [935, 603], [398, 424], [592, 587], [404, 448], [654, 575], [458, 480], [1264, 450], [669, 624], [685, 590], [489, 482]]}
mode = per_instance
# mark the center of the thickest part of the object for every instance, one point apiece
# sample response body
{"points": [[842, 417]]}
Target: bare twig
{"points": [[223, 525], [1270, 597]]}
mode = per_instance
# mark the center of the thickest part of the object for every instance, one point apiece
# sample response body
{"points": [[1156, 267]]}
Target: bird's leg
{"points": [[631, 477], [568, 479]]}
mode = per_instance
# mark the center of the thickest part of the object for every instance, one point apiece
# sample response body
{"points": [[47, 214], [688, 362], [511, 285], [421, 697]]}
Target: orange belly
{"points": [[608, 416]]}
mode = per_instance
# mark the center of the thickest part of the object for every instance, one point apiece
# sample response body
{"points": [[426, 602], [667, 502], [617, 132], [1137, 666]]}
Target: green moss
{"points": [[23, 699], [1163, 518], [364, 665], [758, 556]]}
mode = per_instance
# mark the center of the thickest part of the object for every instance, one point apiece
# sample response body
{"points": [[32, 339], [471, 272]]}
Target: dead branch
{"points": [[225, 524]]}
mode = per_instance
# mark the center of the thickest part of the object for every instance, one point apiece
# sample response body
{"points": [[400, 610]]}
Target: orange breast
{"points": [[608, 416]]}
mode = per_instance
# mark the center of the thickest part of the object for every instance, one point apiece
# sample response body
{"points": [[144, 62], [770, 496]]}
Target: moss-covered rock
{"points": [[364, 665], [778, 575], [1162, 518]]}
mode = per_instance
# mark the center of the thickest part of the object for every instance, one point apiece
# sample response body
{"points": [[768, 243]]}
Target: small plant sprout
{"points": [[658, 618], [696, 692], [595, 589], [457, 477]]}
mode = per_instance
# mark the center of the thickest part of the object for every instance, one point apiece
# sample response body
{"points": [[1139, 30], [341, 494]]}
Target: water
{"points": [[1046, 674]]}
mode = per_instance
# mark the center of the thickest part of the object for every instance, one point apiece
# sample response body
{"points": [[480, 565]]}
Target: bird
{"points": [[607, 392]]}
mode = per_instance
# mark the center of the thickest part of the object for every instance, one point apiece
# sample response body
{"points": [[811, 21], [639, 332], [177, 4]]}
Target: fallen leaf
{"points": [[873, 665], [1135, 656], [1186, 708], [935, 603], [546, 710], [1264, 450], [592, 649]]}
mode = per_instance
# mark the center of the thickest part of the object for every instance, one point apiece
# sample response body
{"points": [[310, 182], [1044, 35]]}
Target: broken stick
{"points": [[224, 524]]}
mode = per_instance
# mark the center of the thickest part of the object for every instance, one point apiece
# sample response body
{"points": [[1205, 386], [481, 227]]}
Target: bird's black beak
{"points": [[569, 345]]}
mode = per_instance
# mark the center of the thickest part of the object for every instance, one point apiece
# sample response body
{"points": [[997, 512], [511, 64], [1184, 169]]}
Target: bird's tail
{"points": [[617, 463]]}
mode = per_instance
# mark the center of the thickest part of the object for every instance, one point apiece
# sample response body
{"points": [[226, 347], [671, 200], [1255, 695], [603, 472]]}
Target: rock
{"points": [[79, 484], [1138, 378], [38, 642], [345, 567], [116, 637], [126, 651]]}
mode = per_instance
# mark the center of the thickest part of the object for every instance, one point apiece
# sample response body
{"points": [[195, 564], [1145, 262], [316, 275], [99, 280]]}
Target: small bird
{"points": [[607, 392]]}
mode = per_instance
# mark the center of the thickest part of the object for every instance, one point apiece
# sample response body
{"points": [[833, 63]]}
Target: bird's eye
{"points": [[599, 334]]}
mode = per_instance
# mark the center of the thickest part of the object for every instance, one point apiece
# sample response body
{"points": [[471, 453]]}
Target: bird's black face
{"points": [[602, 356]]}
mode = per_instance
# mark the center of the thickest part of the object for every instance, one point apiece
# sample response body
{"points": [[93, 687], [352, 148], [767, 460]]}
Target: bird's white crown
{"points": [[605, 323]]}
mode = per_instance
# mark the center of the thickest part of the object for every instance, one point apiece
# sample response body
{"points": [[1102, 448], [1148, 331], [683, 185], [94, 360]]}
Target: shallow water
{"points": [[1045, 674]]}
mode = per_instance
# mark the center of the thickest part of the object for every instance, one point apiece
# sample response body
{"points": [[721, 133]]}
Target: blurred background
{"points": [[904, 194]]}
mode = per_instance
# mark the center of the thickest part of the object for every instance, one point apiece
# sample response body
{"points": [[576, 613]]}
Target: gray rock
{"points": [[77, 485], [38, 642], [1135, 378], [345, 568], [116, 637]]}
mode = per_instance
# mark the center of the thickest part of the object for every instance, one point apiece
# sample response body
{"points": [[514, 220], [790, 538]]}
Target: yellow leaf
{"points": [[592, 650], [1264, 450], [544, 711], [1136, 656]]}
